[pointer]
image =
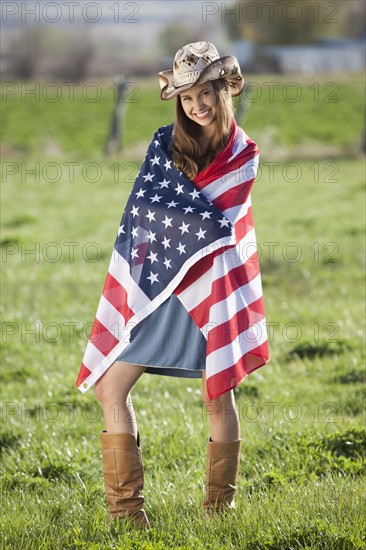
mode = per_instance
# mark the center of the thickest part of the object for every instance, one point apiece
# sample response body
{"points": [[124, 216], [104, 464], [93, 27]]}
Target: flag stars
{"points": [[156, 198], [151, 216], [156, 143], [206, 215], [151, 237], [167, 222], [167, 263], [195, 194], [121, 230], [135, 232], [164, 183], [155, 160], [166, 243], [201, 234], [153, 278], [182, 249], [184, 228], [224, 222], [188, 209], [172, 204], [179, 189], [134, 253], [148, 177], [152, 257], [140, 193], [134, 211], [167, 165]]}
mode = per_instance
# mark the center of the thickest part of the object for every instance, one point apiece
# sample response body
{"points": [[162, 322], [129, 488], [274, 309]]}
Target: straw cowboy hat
{"points": [[198, 63]]}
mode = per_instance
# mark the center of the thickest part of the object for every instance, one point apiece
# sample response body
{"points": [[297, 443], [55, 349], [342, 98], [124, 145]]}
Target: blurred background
{"points": [[75, 40], [61, 46]]}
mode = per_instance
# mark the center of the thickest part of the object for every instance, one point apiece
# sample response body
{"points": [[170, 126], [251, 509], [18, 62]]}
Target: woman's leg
{"points": [[224, 418], [121, 452], [223, 451], [113, 392]]}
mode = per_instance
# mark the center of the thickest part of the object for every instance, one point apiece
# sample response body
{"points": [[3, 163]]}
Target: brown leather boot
{"points": [[221, 475], [124, 477]]}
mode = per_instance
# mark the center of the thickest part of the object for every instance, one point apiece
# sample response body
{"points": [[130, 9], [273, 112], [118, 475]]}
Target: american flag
{"points": [[196, 239]]}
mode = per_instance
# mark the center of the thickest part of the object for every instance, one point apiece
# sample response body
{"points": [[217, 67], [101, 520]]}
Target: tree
{"points": [[24, 52], [174, 35], [285, 22]]}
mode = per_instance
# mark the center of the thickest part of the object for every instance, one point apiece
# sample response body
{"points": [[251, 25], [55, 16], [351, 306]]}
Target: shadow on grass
{"points": [[309, 350]]}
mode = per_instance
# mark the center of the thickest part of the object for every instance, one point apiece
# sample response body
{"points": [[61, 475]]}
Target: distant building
{"points": [[339, 55]]}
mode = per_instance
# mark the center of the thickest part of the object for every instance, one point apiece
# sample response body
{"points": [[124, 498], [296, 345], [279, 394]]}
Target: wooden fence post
{"points": [[115, 137], [242, 105]]}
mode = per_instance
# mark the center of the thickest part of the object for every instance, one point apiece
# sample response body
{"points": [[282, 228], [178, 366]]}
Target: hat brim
{"points": [[227, 68]]}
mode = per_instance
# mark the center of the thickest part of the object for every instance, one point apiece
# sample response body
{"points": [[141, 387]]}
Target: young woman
{"points": [[183, 294]]}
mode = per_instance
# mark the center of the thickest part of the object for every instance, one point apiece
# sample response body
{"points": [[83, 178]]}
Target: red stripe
{"points": [[223, 168], [231, 377], [221, 165], [234, 197], [221, 160], [224, 286], [83, 375], [102, 338], [244, 225], [233, 329], [116, 295], [199, 269]]}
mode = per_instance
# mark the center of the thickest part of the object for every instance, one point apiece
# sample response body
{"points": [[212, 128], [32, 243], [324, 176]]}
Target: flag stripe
{"points": [[200, 288], [244, 225], [120, 270], [231, 377], [102, 338], [232, 180], [234, 196], [92, 356], [226, 356], [226, 332], [117, 296], [235, 213], [112, 319], [227, 290], [222, 311]]}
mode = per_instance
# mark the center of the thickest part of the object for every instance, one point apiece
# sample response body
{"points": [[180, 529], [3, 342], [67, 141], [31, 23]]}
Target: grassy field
{"points": [[288, 111], [302, 472]]}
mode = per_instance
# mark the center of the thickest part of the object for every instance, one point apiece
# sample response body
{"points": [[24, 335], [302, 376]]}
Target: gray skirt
{"points": [[168, 342]]}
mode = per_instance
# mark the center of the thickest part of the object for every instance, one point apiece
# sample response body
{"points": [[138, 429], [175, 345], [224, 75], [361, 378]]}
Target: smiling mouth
{"points": [[203, 115]]}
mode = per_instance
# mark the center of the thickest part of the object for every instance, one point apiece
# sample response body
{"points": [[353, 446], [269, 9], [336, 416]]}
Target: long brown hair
{"points": [[187, 153]]}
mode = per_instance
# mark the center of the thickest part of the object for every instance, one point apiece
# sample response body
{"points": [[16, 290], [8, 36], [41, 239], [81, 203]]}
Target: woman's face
{"points": [[199, 104]]}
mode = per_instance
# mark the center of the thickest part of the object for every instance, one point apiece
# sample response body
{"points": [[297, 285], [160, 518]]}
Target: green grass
{"points": [[302, 472], [293, 110]]}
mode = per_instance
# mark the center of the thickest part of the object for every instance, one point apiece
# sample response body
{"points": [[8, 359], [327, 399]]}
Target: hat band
{"points": [[186, 78]]}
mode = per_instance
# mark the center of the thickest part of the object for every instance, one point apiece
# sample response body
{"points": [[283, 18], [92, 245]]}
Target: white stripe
{"points": [[192, 296], [240, 143], [227, 356], [232, 179], [110, 317], [223, 311], [101, 365], [235, 213], [120, 270], [92, 356]]}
